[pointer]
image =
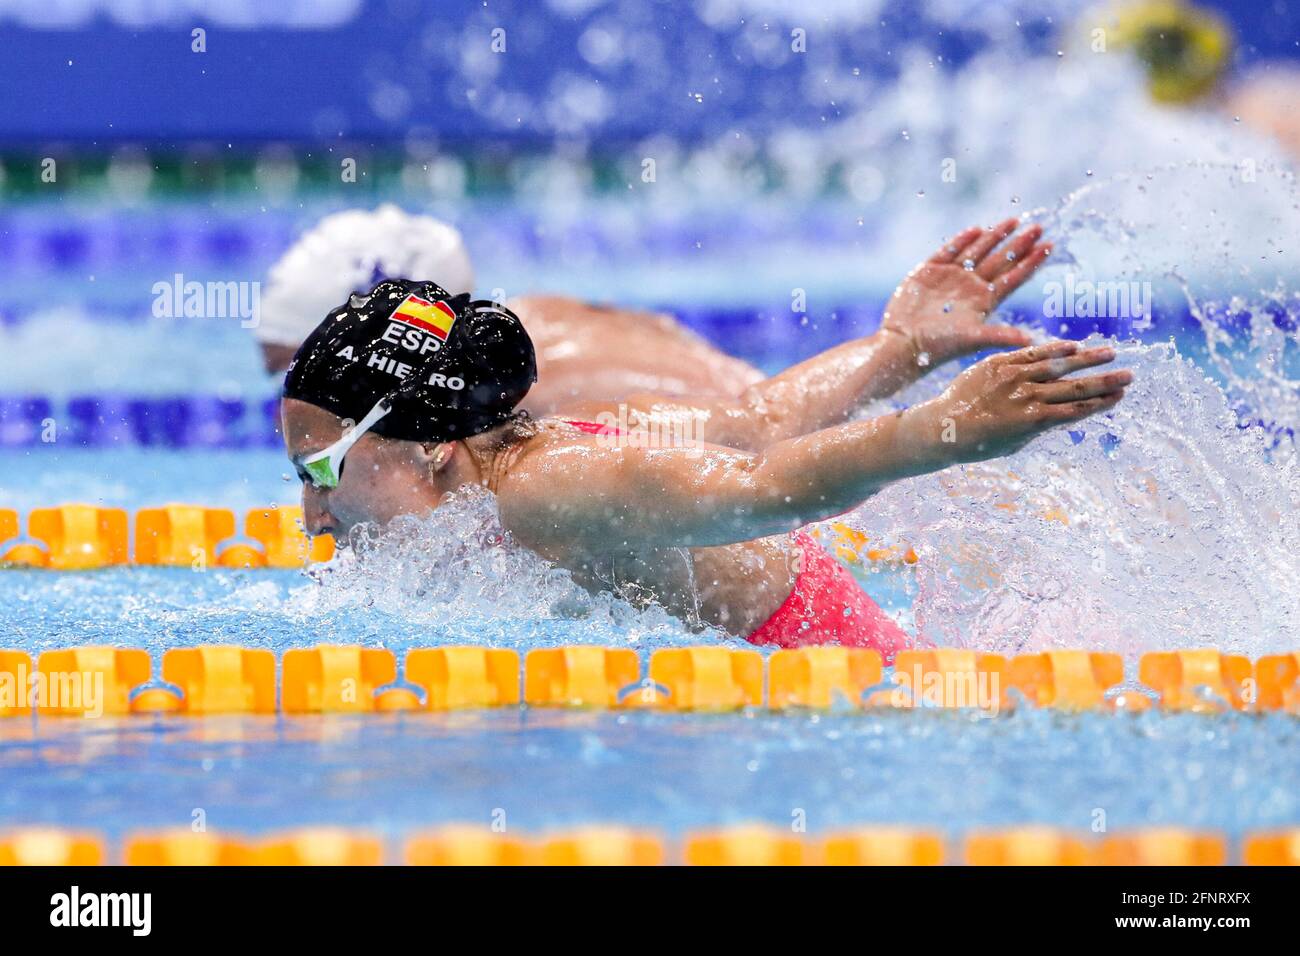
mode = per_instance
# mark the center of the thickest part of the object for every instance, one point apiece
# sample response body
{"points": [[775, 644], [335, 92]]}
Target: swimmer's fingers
{"points": [[1051, 368], [1071, 390], [988, 239], [1074, 411], [1009, 281], [1013, 251], [1038, 353], [949, 251]]}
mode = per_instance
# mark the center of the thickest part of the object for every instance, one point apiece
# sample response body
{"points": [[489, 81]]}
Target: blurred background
{"points": [[765, 171]]}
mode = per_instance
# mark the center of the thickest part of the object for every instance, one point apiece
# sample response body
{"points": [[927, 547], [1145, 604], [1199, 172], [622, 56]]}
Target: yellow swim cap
{"points": [[1185, 49]]}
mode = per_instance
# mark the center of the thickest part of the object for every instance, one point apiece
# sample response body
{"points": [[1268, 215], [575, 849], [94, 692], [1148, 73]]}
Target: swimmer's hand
{"points": [[940, 308], [995, 407]]}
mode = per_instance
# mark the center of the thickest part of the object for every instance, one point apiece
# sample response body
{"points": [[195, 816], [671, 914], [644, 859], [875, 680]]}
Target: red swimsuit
{"points": [[826, 604]]}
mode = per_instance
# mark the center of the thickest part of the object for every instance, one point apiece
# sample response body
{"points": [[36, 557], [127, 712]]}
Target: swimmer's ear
{"points": [[439, 455]]}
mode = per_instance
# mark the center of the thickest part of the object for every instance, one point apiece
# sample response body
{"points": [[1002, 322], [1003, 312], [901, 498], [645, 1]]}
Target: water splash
{"points": [[1162, 524], [457, 574], [1212, 240], [1172, 521]]}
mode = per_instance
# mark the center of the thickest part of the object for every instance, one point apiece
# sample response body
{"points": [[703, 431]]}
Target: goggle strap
{"points": [[336, 451]]}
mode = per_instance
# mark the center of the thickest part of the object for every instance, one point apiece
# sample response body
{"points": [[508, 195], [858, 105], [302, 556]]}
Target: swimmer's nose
{"points": [[316, 517]]}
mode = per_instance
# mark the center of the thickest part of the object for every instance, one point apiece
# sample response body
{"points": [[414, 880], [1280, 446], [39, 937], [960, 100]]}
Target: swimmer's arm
{"points": [[581, 496], [570, 500], [938, 313], [822, 391]]}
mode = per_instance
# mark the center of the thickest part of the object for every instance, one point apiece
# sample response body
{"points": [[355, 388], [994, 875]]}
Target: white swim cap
{"points": [[349, 252]]}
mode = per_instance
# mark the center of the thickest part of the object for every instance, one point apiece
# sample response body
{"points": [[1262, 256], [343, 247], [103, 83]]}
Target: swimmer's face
{"points": [[382, 478]]}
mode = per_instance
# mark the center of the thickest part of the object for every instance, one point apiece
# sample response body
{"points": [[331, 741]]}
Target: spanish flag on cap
{"points": [[436, 317]]}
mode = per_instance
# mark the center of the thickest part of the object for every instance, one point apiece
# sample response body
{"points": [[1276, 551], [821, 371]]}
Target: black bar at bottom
{"points": [[534, 907]]}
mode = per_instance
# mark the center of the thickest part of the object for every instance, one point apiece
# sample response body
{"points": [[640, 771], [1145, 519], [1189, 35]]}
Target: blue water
{"points": [[138, 477], [550, 769], [544, 768]]}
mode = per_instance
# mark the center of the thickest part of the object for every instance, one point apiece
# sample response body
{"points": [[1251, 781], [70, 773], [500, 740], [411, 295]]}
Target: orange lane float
{"points": [[464, 845], [22, 553], [746, 846], [89, 681], [1277, 682], [1200, 680], [279, 530], [851, 546], [321, 846], [74, 537], [1072, 680], [579, 676], [334, 679], [819, 676], [883, 846], [15, 687], [180, 535], [602, 846], [1026, 846], [185, 848], [222, 679], [456, 677], [35, 846], [329, 678], [1281, 848], [1162, 847], [947, 677], [712, 678], [77, 537]]}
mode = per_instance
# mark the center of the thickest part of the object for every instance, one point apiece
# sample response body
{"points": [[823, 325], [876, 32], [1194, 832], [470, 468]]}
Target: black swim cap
{"points": [[454, 368]]}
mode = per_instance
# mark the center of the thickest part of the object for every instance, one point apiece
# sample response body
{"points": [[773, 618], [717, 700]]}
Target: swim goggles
{"points": [[325, 467]]}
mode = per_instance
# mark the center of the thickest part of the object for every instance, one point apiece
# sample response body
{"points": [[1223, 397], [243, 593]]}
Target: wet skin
{"points": [[703, 529]]}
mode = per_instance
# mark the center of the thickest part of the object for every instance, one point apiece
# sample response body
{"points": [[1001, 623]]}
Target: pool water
{"points": [[549, 769], [1228, 510]]}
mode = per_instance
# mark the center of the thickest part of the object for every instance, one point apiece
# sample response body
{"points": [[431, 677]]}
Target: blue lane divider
{"points": [[770, 338], [22, 419], [195, 234], [126, 240], [105, 421]]}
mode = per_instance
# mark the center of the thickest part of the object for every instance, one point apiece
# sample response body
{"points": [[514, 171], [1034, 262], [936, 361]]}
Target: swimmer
{"points": [[584, 351], [708, 528]]}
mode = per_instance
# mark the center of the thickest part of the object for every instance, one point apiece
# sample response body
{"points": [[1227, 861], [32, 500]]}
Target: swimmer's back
{"points": [[591, 353]]}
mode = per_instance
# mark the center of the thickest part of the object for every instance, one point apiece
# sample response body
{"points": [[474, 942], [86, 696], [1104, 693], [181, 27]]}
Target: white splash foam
{"points": [[457, 570], [1166, 526], [1215, 239]]}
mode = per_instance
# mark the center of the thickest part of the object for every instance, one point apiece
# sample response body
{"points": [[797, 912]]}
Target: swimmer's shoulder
{"points": [[543, 445], [542, 471]]}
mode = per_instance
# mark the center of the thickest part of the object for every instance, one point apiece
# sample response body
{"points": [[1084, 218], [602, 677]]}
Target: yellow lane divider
{"points": [[77, 537], [331, 679], [604, 845], [463, 845]]}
